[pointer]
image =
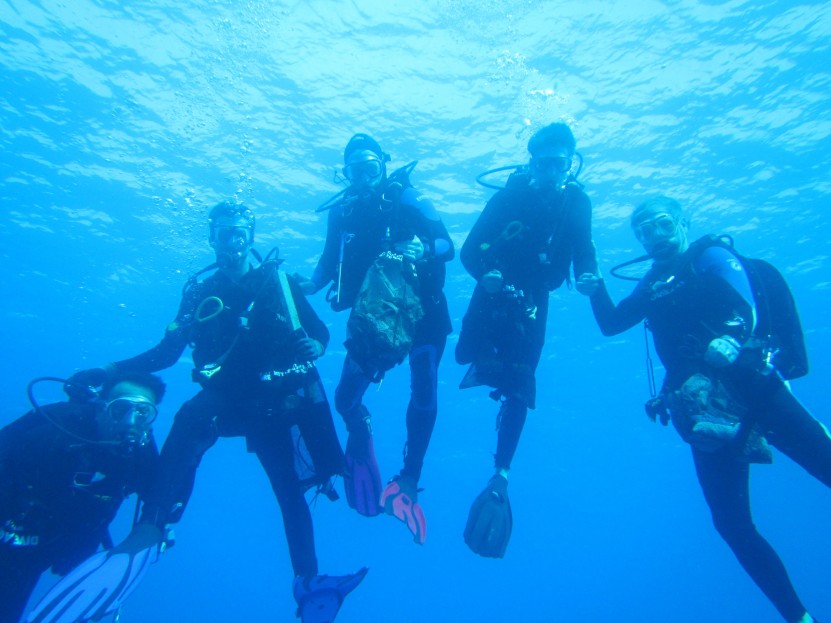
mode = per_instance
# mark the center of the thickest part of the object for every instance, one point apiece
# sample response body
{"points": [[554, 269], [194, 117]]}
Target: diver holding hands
{"points": [[727, 332]]}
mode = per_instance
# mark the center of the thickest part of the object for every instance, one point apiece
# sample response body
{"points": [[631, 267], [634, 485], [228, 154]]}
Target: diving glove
{"points": [[82, 385]]}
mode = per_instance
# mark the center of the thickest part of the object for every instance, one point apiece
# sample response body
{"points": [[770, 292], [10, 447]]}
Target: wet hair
{"points": [[143, 379], [231, 208], [553, 135], [363, 142], [227, 209], [660, 203]]}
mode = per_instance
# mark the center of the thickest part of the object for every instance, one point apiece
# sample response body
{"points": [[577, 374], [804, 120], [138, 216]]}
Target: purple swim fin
{"points": [[362, 480]]}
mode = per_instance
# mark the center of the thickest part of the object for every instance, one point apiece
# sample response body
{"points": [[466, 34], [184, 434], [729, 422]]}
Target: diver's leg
{"points": [[725, 484], [362, 478], [473, 337], [275, 450], [193, 432], [349, 394], [793, 430], [423, 406], [510, 422], [514, 410], [19, 573], [318, 431]]}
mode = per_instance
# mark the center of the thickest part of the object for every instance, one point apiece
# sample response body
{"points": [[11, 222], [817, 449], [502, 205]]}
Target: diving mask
{"points": [[368, 170], [661, 226], [559, 164], [136, 411]]}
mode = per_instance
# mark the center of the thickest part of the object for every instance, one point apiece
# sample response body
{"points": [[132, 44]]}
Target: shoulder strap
{"points": [[288, 298]]}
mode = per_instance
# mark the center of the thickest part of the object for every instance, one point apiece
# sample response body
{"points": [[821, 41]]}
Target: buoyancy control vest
{"points": [[778, 328]]}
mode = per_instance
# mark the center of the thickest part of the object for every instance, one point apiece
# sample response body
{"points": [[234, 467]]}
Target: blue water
{"points": [[122, 122]]}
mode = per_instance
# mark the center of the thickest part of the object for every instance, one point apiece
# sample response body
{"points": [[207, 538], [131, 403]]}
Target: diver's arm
{"points": [[584, 256], [25, 444], [475, 255], [326, 270], [721, 265], [734, 311], [173, 344], [613, 319], [147, 464], [11, 444], [429, 227], [309, 320]]}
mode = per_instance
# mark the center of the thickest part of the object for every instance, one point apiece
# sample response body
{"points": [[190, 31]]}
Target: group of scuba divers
{"points": [[724, 326]]}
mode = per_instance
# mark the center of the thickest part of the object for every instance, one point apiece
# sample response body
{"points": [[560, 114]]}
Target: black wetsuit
{"points": [[701, 295], [58, 496], [533, 241], [253, 385], [358, 231]]}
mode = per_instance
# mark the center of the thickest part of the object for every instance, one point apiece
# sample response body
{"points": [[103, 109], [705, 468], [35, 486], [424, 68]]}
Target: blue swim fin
{"points": [[95, 588], [319, 597]]}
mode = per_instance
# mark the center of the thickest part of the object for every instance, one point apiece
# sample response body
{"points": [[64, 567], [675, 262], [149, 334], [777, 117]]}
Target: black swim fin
{"points": [[489, 523]]}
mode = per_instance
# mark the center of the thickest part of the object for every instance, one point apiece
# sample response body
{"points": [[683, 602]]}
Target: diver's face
{"points": [[549, 167], [231, 241], [364, 170], [662, 235], [128, 415]]}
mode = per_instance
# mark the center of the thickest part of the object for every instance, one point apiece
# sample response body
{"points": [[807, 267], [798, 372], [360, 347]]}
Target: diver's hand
{"points": [[307, 286], [413, 249], [656, 409], [492, 281], [309, 349], [82, 385], [722, 351], [587, 284]]}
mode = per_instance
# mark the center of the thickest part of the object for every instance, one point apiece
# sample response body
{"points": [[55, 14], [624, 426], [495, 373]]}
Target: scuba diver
{"points": [[520, 249], [727, 332], [255, 339], [65, 469], [383, 234]]}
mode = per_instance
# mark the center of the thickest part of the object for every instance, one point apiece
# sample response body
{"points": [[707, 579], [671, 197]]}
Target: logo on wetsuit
{"points": [[660, 289], [9, 534]]}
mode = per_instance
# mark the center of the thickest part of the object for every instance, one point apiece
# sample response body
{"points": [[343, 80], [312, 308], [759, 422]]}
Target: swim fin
{"points": [[489, 523], [400, 499], [319, 597], [362, 478], [95, 588]]}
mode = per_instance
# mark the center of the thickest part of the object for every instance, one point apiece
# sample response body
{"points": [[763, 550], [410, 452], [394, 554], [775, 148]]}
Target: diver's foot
{"points": [[319, 597], [400, 499], [362, 479]]}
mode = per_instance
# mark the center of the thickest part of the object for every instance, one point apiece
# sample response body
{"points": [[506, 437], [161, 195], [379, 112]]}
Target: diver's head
{"points": [[660, 225], [231, 227], [130, 407], [552, 151], [364, 163]]}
